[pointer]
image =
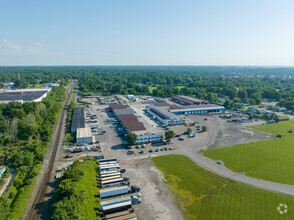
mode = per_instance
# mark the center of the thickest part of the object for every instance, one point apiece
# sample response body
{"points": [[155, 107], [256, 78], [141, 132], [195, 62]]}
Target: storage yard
{"points": [[117, 198], [118, 116]]}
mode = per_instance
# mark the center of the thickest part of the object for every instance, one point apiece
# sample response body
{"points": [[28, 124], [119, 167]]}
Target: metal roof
{"points": [[78, 120], [124, 111], [191, 99], [196, 107], [84, 132], [118, 106], [131, 122], [161, 112]]}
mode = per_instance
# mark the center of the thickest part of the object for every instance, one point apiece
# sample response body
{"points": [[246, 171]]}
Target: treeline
{"points": [[26, 132], [246, 83], [77, 193]]}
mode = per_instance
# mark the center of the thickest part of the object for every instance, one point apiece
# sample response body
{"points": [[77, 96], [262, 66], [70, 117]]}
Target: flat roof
{"points": [[84, 132], [163, 113], [191, 99], [131, 122], [124, 111], [24, 95], [78, 120], [196, 107], [118, 106]]}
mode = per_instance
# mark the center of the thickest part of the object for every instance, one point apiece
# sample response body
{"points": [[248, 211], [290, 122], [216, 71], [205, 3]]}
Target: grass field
{"points": [[151, 88], [88, 184], [201, 194], [270, 159]]}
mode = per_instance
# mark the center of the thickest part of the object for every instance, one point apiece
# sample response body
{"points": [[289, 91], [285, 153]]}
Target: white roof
{"points": [[84, 132]]}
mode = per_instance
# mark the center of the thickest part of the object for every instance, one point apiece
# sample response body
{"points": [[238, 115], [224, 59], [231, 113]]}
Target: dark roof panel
{"points": [[78, 120]]}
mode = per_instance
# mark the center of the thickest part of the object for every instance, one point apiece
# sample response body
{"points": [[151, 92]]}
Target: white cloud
{"points": [[18, 48]]}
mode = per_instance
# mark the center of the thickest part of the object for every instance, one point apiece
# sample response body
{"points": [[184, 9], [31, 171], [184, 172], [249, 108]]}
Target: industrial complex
{"points": [[25, 95], [131, 123]]}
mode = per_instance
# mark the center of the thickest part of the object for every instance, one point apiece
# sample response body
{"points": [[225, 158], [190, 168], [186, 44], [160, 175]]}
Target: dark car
{"points": [[180, 139], [178, 135], [135, 189], [156, 150], [165, 149], [205, 119], [130, 152], [123, 170], [151, 151]]}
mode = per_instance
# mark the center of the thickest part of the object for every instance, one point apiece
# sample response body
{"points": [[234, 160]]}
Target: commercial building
{"points": [[196, 109], [187, 100], [164, 116], [25, 95], [131, 123], [84, 135]]}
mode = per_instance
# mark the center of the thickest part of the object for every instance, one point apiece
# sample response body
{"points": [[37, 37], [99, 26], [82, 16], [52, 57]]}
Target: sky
{"points": [[147, 32]]}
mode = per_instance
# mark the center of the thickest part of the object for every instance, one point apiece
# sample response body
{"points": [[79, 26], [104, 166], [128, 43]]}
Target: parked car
{"points": [[123, 170], [135, 189], [141, 152], [180, 139], [151, 151], [156, 150], [178, 135], [170, 148], [220, 162], [130, 152]]}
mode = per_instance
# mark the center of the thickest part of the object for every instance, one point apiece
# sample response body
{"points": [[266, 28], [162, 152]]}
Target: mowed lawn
{"points": [[270, 159], [89, 184], [201, 194]]}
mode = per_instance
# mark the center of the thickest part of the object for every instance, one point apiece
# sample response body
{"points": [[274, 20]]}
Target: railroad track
{"points": [[36, 207]]}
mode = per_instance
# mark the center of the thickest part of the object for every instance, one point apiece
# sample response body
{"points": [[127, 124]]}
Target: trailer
{"points": [[107, 160], [109, 170], [113, 191], [110, 174], [115, 205], [124, 215], [112, 182], [114, 166], [109, 166], [110, 177]]}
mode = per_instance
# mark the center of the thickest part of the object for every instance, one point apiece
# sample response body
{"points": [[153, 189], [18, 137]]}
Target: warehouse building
{"points": [[187, 100], [84, 135], [25, 95], [164, 116], [132, 124], [78, 120], [196, 109]]}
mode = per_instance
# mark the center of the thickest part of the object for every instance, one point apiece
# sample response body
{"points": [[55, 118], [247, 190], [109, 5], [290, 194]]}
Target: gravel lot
{"points": [[157, 201]]}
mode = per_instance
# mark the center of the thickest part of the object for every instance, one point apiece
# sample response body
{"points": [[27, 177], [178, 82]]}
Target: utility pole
{"points": [[243, 167]]}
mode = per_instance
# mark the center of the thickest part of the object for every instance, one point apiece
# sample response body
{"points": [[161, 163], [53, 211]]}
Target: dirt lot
{"points": [[157, 201]]}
